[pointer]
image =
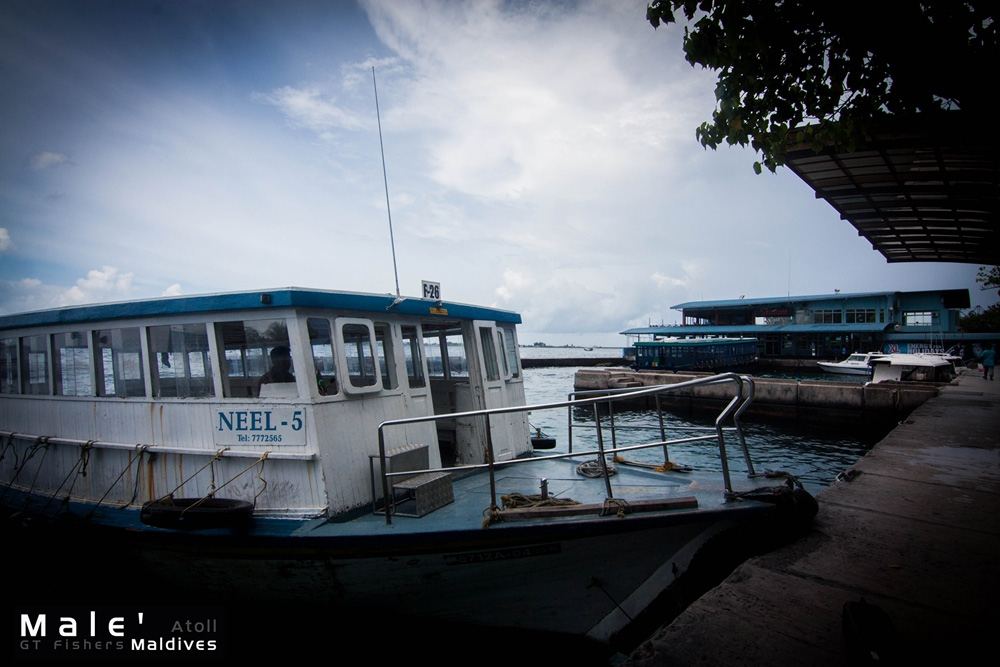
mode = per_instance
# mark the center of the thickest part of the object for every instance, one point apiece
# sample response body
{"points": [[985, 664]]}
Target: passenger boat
{"points": [[365, 449], [858, 363], [912, 368], [675, 354]]}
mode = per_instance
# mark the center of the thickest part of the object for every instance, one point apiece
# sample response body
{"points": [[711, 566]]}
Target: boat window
{"points": [[72, 364], [856, 357], [445, 349], [181, 365], [321, 342], [359, 355], [9, 376], [35, 365], [119, 362], [256, 353], [458, 361], [509, 340], [386, 358], [412, 355], [503, 354], [489, 353]]}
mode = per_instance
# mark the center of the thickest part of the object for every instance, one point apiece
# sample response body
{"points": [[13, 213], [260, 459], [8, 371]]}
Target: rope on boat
{"points": [[29, 453], [140, 450], [594, 469], [666, 466], [215, 457], [43, 442], [138, 475], [512, 500], [616, 506], [79, 468], [10, 443], [491, 515], [261, 460]]}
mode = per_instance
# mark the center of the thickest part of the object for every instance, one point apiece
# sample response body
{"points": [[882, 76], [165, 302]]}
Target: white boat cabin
{"points": [[297, 380], [912, 368]]}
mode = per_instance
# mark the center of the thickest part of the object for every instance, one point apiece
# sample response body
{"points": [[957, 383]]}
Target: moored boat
{"points": [[858, 363], [374, 451], [912, 368]]}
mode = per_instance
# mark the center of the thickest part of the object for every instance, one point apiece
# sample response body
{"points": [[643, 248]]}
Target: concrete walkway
{"points": [[916, 532]]}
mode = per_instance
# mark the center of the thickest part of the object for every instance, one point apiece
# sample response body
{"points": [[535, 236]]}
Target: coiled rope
{"points": [[594, 468]]}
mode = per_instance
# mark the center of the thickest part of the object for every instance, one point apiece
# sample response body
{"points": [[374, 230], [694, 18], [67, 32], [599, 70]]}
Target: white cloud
{"points": [[104, 284], [313, 110], [172, 290], [47, 159], [5, 242]]}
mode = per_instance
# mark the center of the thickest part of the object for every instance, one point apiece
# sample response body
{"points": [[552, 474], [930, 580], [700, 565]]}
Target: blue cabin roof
{"points": [[726, 329], [284, 297], [773, 300]]}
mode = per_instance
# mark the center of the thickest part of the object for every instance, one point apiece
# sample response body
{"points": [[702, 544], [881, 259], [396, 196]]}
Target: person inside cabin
{"points": [[281, 368]]}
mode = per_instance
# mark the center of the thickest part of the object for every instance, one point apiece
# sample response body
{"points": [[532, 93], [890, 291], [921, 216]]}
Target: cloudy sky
{"points": [[541, 158]]}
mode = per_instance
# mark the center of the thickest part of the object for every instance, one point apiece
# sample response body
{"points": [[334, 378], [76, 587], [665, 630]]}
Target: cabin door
{"points": [[491, 385]]}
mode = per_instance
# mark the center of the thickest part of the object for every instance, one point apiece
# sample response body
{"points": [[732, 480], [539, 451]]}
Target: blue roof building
{"points": [[827, 325]]}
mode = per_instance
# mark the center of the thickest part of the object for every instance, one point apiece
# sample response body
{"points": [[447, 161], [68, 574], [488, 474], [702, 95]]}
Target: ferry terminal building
{"points": [[827, 326]]}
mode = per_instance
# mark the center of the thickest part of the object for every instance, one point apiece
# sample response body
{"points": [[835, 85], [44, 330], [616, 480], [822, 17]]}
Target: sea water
{"points": [[814, 452]]}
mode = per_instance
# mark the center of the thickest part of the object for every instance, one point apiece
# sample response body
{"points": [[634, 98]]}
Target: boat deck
{"points": [[472, 501]]}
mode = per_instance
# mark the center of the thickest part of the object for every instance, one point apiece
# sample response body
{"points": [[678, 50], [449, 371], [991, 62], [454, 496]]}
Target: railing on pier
{"points": [[736, 406]]}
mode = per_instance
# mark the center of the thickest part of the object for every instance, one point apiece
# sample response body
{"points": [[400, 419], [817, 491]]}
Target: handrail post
{"points": [[739, 425], [569, 418], [723, 456], [385, 478], [611, 414], [600, 450], [489, 461], [663, 431]]}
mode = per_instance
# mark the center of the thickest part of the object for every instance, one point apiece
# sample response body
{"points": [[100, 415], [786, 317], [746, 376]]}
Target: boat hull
{"points": [[843, 370], [581, 577]]}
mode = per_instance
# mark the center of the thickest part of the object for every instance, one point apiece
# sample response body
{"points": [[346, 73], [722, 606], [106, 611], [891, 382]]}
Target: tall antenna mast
{"points": [[385, 180]]}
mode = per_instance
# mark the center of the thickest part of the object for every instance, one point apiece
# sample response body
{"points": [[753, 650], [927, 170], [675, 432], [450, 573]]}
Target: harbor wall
{"points": [[774, 396]]}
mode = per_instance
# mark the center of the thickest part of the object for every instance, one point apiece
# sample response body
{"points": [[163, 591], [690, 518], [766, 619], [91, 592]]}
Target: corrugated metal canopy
{"points": [[920, 190]]}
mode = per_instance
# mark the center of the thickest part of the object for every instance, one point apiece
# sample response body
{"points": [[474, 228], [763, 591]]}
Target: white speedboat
{"points": [[912, 368], [858, 363]]}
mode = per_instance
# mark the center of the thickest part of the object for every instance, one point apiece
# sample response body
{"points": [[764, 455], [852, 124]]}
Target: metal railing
{"points": [[736, 406]]}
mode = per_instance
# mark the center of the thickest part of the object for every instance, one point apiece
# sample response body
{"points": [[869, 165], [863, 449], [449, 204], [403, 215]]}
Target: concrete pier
{"points": [[774, 396], [916, 531]]}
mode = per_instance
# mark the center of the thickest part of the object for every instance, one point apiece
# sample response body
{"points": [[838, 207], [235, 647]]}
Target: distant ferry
{"points": [[703, 354], [374, 450]]}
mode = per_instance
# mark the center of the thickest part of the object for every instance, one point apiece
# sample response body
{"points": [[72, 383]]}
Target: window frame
{"points": [[509, 332], [346, 384], [420, 364], [16, 366], [97, 359], [213, 369]]}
